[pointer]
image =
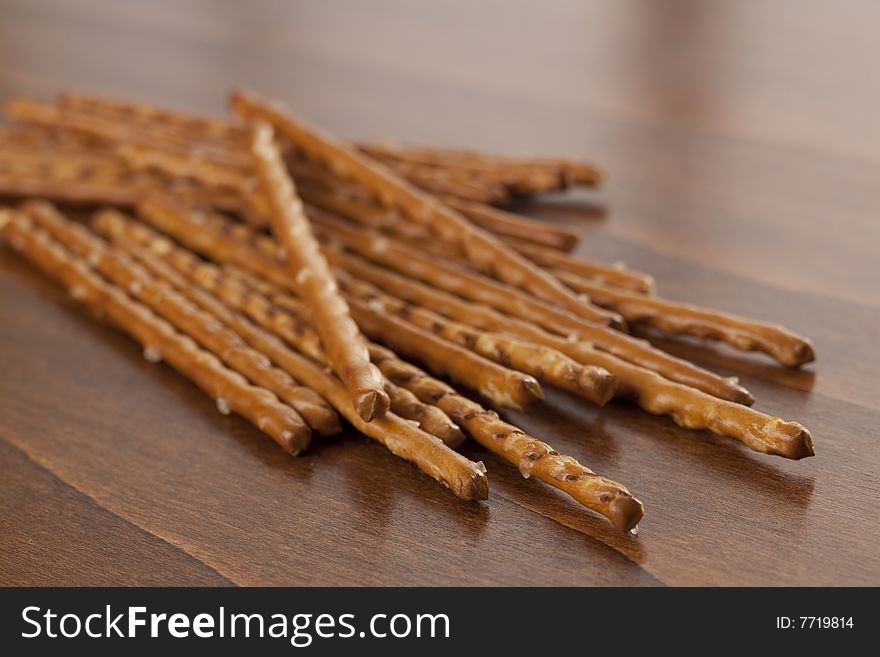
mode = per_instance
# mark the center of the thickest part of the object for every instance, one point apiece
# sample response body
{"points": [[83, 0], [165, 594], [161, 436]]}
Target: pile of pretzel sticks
{"points": [[300, 279]]}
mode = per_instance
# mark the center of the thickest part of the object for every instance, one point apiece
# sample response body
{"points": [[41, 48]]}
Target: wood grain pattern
{"points": [[743, 157]]}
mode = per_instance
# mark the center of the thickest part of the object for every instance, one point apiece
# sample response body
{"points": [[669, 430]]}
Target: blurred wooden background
{"points": [[744, 152]]}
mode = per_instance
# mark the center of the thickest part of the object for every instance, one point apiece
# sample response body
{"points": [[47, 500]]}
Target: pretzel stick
{"points": [[320, 417], [238, 244], [403, 403], [505, 165], [230, 389], [512, 444], [682, 318], [504, 386], [96, 179], [313, 281], [322, 189], [199, 126], [508, 224], [420, 265], [239, 291], [429, 418], [447, 182], [313, 409], [519, 183], [233, 291], [655, 358], [481, 248], [688, 407], [508, 388], [546, 365], [198, 324], [616, 275], [530, 455], [51, 116], [186, 165], [453, 279], [465, 478]]}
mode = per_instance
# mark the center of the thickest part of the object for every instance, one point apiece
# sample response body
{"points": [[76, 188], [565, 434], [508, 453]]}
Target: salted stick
{"points": [[482, 249], [499, 369], [532, 456], [189, 124], [321, 188], [465, 478], [507, 224], [98, 179], [52, 116], [520, 180], [617, 276], [187, 165], [231, 390], [510, 167], [452, 278], [416, 263], [403, 403], [549, 366], [675, 317], [314, 282], [187, 318], [502, 385], [239, 244], [447, 182], [688, 407]]}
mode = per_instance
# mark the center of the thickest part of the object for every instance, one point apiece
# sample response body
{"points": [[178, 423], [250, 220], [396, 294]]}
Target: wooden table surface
{"points": [[744, 153]]}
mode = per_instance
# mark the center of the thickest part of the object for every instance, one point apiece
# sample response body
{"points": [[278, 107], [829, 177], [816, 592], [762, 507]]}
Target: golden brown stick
{"points": [[687, 406], [504, 386], [465, 478], [557, 263], [530, 455], [322, 189], [320, 417], [547, 365], [187, 165], [198, 126], [314, 282], [508, 224], [612, 275], [416, 263], [201, 326], [447, 182], [483, 250], [511, 443], [686, 319], [230, 389], [233, 291], [456, 307], [428, 418], [244, 292], [94, 179], [310, 405], [51, 116], [228, 242], [314, 410], [451, 278], [520, 180], [579, 172]]}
